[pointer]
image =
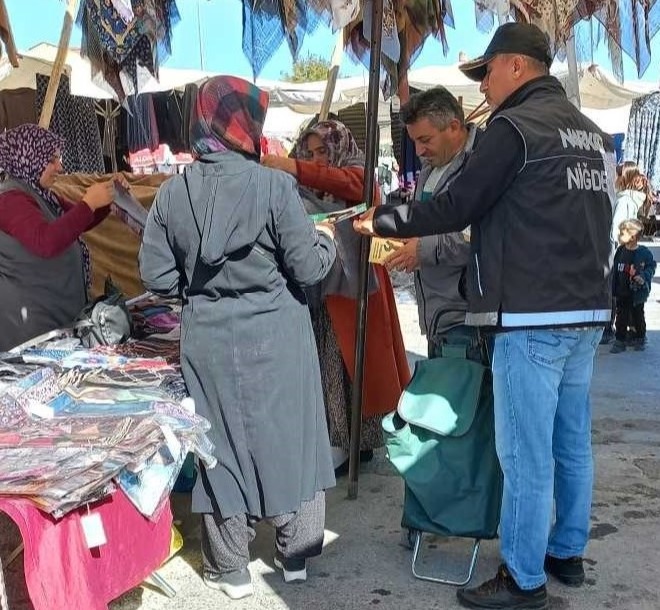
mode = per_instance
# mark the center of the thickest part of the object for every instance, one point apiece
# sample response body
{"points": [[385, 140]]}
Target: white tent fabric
{"points": [[603, 99], [40, 59]]}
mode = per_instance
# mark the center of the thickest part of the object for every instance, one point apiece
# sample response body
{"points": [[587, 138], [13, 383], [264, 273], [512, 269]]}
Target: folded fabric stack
{"points": [[75, 423]]}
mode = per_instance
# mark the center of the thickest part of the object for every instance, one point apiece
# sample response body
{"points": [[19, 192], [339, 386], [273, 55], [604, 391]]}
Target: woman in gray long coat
{"points": [[232, 238]]}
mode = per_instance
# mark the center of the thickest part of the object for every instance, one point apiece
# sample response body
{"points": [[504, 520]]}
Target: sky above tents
{"points": [[209, 37]]}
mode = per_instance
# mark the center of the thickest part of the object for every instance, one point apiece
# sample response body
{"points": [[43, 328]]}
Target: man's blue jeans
{"points": [[541, 381]]}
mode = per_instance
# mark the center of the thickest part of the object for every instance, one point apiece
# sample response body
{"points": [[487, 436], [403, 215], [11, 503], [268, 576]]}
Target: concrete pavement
{"points": [[363, 565]]}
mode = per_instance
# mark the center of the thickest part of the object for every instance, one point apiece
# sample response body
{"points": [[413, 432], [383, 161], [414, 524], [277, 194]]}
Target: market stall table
{"points": [[91, 443], [62, 572]]}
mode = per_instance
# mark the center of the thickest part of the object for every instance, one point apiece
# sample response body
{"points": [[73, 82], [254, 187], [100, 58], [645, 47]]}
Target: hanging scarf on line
{"points": [[25, 152], [229, 114]]}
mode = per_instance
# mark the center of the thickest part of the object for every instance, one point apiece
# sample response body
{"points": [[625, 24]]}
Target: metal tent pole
{"points": [[369, 179]]}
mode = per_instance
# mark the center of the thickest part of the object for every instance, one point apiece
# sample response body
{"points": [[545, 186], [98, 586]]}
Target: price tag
{"points": [[173, 443], [92, 526]]}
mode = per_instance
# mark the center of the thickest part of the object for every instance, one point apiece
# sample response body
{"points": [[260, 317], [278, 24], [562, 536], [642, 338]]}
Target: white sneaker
{"points": [[295, 569], [235, 585]]}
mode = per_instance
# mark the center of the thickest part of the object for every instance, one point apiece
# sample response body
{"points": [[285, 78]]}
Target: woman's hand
{"points": [[99, 195], [327, 228], [282, 163], [120, 179]]}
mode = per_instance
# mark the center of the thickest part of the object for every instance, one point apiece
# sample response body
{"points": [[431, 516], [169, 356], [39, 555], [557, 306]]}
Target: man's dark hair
{"points": [[437, 104]]}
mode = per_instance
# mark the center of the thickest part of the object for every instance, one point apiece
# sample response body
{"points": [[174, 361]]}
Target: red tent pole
{"points": [[369, 179]]}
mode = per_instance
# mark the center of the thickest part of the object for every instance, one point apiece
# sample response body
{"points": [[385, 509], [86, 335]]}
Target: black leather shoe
{"points": [[503, 593], [568, 571]]}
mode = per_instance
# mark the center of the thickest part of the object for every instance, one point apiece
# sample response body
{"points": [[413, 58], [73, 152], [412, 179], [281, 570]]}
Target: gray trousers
{"points": [[298, 535]]}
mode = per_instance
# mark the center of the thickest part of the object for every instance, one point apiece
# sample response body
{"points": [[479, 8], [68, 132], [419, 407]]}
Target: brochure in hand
{"points": [[339, 215], [130, 205], [382, 247]]}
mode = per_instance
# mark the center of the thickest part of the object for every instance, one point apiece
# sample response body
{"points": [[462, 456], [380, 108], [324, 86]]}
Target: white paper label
{"points": [[173, 443], [92, 526]]}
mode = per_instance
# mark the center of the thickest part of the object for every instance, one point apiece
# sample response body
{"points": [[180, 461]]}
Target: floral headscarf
{"points": [[229, 114], [25, 151], [342, 148]]}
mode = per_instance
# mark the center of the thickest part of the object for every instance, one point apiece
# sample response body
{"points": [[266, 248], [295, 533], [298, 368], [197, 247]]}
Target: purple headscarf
{"points": [[25, 151]]}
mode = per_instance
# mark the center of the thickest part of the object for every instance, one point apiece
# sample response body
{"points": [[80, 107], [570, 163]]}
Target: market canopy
{"points": [[41, 58], [603, 98]]}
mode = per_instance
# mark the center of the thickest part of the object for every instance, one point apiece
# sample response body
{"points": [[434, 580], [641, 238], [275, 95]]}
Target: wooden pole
{"points": [[333, 73], [10, 45], [371, 157], [58, 66]]}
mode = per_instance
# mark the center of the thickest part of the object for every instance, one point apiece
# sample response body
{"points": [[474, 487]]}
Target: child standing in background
{"points": [[634, 268]]}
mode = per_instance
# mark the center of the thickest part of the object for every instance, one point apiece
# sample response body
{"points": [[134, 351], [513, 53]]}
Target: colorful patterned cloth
{"points": [[115, 45], [229, 114], [268, 22]]}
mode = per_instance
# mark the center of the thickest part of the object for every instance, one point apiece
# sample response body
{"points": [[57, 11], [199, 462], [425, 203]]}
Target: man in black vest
{"points": [[538, 194]]}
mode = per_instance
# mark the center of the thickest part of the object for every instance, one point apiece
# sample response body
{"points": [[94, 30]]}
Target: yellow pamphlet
{"points": [[382, 247]]}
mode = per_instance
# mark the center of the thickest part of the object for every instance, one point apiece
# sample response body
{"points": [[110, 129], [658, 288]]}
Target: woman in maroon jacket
{"points": [[44, 265]]}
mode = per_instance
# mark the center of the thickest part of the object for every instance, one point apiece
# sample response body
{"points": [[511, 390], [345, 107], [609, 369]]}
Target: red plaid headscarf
{"points": [[229, 114]]}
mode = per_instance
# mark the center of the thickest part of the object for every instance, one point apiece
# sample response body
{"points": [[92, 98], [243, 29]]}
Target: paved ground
{"points": [[363, 565]]}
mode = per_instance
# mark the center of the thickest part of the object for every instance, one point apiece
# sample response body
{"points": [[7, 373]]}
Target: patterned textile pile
{"points": [[76, 423]]}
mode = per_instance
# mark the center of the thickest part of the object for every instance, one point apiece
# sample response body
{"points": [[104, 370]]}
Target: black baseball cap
{"points": [[517, 38]]}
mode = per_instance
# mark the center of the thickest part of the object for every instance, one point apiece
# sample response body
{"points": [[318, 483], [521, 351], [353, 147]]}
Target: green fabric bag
{"points": [[453, 481]]}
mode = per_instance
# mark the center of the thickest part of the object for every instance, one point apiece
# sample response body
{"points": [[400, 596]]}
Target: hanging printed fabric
{"points": [[266, 23], [409, 21], [343, 12], [643, 139], [136, 48], [125, 10]]}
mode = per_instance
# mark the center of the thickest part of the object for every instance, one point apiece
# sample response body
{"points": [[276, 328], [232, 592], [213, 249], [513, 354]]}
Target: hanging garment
{"points": [[125, 10], [107, 116], [74, 118], [554, 17], [343, 12], [189, 99], [412, 21], [390, 42], [628, 26], [168, 109], [142, 129], [17, 107], [643, 140], [115, 46], [487, 10], [267, 22]]}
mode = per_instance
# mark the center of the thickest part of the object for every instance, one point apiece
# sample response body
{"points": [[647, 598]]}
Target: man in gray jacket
{"points": [[436, 124]]}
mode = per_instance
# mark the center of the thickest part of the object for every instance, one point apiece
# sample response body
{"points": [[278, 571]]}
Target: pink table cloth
{"points": [[61, 572]]}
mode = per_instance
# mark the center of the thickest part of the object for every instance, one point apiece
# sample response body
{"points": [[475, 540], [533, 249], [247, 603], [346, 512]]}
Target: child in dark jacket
{"points": [[634, 268]]}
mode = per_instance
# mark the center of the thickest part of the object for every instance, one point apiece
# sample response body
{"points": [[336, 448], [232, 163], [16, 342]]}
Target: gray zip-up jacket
{"points": [[443, 258]]}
